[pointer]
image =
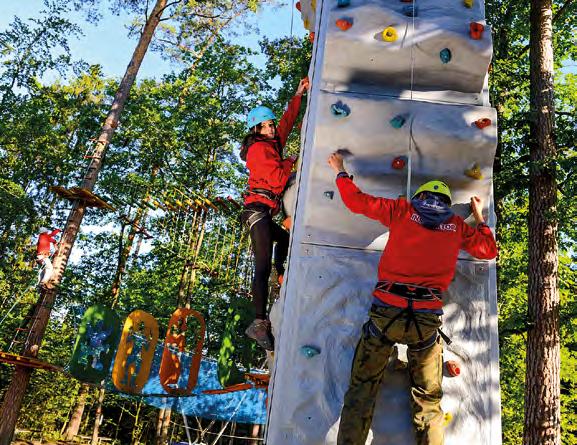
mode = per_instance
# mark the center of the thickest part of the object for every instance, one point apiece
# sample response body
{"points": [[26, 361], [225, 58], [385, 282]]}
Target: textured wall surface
{"points": [[334, 254]]}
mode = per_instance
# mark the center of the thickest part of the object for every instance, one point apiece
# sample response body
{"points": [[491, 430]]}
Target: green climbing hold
{"points": [[446, 55], [410, 11], [398, 121], [310, 351], [340, 110]]}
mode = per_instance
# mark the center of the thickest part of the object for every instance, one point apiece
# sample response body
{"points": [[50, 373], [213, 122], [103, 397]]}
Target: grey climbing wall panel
{"points": [[403, 102]]}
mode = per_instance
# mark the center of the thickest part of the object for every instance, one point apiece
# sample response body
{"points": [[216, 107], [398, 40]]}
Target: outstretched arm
{"points": [[289, 117], [380, 209], [479, 241]]}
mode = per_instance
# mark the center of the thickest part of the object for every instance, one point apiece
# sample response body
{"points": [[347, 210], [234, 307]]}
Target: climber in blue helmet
{"points": [[268, 175]]}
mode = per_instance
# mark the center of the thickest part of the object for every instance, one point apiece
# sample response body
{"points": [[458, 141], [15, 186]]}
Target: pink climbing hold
{"points": [[476, 30], [452, 368], [399, 162], [483, 123], [343, 24]]}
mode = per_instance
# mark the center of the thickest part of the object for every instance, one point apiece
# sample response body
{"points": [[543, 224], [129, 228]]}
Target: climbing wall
{"points": [[400, 88]]}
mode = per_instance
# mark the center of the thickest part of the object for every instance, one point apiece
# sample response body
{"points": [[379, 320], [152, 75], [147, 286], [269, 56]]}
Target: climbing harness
{"points": [[409, 298], [266, 194]]}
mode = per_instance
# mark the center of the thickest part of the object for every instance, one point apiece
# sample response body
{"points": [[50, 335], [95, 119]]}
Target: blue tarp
{"points": [[241, 406]]}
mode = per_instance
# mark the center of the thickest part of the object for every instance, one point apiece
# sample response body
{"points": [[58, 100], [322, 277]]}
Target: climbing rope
{"points": [[410, 152]]}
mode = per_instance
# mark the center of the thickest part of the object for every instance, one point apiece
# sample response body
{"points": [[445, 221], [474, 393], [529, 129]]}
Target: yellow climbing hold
{"points": [[474, 172], [447, 418], [306, 23], [468, 3], [314, 5], [390, 34]]}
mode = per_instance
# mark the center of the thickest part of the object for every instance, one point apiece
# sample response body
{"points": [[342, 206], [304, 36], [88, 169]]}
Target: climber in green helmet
{"points": [[416, 267]]}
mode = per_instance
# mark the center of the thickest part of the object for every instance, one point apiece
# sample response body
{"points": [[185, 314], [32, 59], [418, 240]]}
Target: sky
{"points": [[107, 43]]}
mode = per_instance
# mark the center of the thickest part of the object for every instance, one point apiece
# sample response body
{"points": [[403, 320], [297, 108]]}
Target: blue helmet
{"points": [[258, 115]]}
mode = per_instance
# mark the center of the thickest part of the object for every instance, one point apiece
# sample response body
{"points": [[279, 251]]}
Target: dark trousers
{"points": [[425, 370], [263, 233]]}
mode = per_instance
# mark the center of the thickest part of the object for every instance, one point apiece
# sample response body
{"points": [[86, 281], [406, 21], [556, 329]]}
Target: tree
{"points": [[542, 393], [15, 393]]}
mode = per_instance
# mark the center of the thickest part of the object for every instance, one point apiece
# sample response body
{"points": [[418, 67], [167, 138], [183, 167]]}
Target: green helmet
{"points": [[434, 187]]}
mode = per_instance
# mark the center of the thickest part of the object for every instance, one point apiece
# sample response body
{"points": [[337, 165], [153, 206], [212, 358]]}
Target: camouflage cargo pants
{"points": [[371, 357]]}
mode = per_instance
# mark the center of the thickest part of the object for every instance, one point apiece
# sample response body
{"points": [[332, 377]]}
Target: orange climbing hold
{"points": [[312, 37], [452, 368], [344, 24], [476, 30], [483, 123]]}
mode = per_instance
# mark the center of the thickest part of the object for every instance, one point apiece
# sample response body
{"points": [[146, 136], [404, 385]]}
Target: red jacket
{"points": [[267, 169], [44, 241], [415, 254]]}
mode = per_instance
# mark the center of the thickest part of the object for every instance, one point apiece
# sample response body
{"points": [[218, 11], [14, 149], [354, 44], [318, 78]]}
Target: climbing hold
{"points": [[343, 24], [311, 37], [390, 34], [447, 418], [474, 172], [310, 351], [298, 5], [452, 367], [483, 123], [398, 121], [343, 3], [446, 55], [476, 30], [399, 162], [340, 110], [468, 3], [410, 10], [329, 194]]}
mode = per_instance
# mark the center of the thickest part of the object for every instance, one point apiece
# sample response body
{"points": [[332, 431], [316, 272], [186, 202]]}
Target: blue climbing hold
{"points": [[340, 110], [343, 3], [446, 55], [410, 11], [398, 121], [310, 351]]}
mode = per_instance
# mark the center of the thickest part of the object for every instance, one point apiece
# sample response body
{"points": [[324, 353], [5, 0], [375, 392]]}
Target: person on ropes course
{"points": [[416, 267], [268, 174], [43, 251]]}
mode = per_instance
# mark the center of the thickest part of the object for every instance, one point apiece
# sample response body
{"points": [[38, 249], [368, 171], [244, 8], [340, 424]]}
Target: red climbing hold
{"points": [[343, 24], [483, 123], [452, 368], [399, 162], [298, 6], [476, 30], [312, 37]]}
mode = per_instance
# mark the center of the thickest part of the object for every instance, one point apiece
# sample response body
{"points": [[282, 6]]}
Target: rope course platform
{"points": [[257, 381], [30, 362], [78, 193]]}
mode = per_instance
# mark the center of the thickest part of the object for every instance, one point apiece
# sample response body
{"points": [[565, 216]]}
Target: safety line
{"points": [[410, 153]]}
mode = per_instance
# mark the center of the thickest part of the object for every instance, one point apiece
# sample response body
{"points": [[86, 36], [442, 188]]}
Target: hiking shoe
{"points": [[259, 330]]}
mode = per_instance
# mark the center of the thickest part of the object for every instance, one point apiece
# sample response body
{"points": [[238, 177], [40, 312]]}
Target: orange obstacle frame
{"points": [[174, 345]]}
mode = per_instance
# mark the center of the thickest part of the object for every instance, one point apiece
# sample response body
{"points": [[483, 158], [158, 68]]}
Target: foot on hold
{"points": [[259, 330]]}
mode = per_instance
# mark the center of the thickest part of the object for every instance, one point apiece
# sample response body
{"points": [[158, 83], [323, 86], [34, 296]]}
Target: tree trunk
{"points": [[15, 393], [97, 417], [76, 417], [255, 434], [162, 426], [542, 386]]}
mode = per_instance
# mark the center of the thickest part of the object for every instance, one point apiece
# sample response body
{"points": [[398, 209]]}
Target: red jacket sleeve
{"points": [[55, 232], [479, 242], [266, 164], [288, 119], [380, 209]]}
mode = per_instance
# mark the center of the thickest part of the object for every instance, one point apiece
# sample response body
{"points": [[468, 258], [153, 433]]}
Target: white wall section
{"points": [[334, 253]]}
